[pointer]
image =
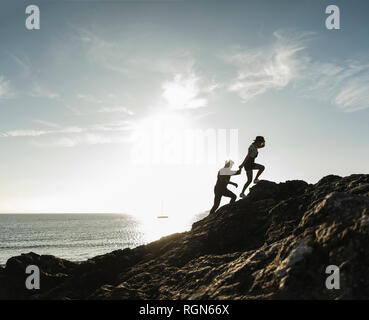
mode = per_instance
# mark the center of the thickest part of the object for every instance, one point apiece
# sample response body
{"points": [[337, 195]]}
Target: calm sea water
{"points": [[78, 237]]}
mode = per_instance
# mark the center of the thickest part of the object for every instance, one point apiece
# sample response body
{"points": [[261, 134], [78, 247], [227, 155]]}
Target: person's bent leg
{"points": [[230, 194], [249, 180], [260, 169]]}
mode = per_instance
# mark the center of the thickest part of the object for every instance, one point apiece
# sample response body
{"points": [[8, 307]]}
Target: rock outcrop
{"points": [[274, 244]]}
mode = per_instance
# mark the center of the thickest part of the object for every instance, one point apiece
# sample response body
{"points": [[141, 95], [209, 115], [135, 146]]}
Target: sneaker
{"points": [[256, 181], [242, 195]]}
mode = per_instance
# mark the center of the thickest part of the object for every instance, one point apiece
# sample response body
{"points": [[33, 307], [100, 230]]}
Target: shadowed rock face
{"points": [[275, 244]]}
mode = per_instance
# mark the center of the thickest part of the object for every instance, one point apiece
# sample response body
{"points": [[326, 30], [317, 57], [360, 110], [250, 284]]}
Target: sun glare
{"points": [[183, 93], [153, 228]]}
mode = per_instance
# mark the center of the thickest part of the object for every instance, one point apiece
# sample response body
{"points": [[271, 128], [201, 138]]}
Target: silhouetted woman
{"points": [[249, 163], [220, 189]]}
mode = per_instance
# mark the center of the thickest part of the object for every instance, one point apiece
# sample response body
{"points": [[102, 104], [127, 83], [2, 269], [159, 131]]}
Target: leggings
{"points": [[218, 193]]}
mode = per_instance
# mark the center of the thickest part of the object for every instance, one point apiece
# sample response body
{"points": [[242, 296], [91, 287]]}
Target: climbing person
{"points": [[249, 163], [223, 179]]}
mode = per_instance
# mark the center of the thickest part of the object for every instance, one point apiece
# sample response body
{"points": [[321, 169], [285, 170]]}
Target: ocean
{"points": [[78, 237]]}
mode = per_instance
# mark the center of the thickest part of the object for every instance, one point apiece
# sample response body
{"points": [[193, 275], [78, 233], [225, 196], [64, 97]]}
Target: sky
{"points": [[133, 106]]}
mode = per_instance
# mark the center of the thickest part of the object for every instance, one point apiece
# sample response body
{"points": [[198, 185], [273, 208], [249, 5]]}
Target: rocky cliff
{"points": [[274, 244]]}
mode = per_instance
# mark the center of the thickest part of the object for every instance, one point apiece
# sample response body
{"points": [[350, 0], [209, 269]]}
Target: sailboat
{"points": [[162, 216]]}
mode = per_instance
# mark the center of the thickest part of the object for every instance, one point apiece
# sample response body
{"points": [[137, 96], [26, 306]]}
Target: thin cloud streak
{"points": [[82, 139], [267, 68], [4, 88], [116, 109], [120, 57], [107, 104], [343, 84], [37, 133], [47, 123], [353, 97], [106, 133], [40, 92]]}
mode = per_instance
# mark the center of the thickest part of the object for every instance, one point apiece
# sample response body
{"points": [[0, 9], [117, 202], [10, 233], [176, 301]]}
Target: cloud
{"points": [[82, 139], [47, 123], [107, 104], [341, 83], [118, 125], [186, 91], [271, 67], [353, 97], [37, 133], [116, 109], [4, 88], [89, 98], [25, 133], [107, 54], [345, 84], [40, 92], [174, 68], [183, 93], [113, 132], [168, 62], [130, 57]]}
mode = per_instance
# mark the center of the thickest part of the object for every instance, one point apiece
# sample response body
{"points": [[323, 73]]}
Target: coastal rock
{"points": [[53, 271], [274, 244]]}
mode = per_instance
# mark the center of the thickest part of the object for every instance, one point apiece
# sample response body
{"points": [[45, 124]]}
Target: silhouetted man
{"points": [[220, 189]]}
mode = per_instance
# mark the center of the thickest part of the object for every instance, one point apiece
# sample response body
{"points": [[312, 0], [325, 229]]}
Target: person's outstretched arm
{"points": [[235, 173], [229, 172]]}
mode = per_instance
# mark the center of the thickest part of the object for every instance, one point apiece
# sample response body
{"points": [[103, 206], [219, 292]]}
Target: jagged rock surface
{"points": [[274, 244]]}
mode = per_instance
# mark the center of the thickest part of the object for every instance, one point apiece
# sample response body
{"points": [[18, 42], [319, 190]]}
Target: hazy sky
{"points": [[82, 98]]}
